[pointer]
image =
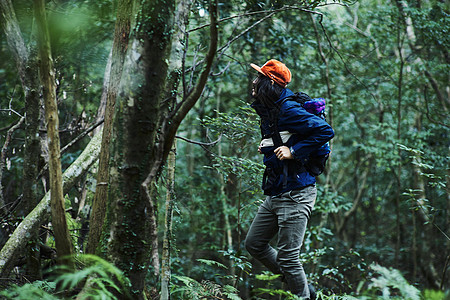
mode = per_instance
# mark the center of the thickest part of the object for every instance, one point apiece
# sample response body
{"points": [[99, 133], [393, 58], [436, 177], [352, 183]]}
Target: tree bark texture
{"points": [[119, 50], [39, 215], [102, 106], [142, 141], [47, 75], [173, 80], [165, 261], [27, 70], [133, 151], [13, 35]]}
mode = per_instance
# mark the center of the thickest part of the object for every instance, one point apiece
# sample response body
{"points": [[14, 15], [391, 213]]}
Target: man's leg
{"points": [[262, 230], [293, 210]]}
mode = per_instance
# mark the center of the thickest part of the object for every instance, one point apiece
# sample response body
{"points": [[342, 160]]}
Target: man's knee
{"points": [[250, 245], [289, 260]]}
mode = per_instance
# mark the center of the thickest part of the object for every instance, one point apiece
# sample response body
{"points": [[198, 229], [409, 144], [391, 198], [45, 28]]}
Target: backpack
{"points": [[317, 161]]}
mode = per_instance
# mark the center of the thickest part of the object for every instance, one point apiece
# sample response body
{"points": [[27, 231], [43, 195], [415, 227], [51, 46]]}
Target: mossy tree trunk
{"points": [[134, 135], [47, 76], [119, 49], [144, 131]]}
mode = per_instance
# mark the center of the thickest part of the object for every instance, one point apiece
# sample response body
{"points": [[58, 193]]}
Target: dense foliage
{"points": [[381, 220]]}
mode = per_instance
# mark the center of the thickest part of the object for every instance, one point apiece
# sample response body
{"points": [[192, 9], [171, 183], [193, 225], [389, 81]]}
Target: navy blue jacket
{"points": [[309, 133]]}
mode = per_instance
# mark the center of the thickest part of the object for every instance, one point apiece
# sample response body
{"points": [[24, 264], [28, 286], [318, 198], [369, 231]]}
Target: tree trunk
{"points": [[143, 141], [175, 70], [101, 111], [165, 263], [399, 167], [39, 215], [133, 152], [27, 67], [47, 75], [119, 49]]}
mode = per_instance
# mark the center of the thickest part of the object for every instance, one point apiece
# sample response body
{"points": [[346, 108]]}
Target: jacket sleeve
{"points": [[313, 131]]}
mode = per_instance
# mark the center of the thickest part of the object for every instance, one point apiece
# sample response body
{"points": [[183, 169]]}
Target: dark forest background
{"points": [[183, 171]]}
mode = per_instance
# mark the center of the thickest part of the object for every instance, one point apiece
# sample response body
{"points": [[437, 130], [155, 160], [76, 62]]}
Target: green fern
{"points": [[103, 280], [205, 289], [102, 276], [392, 279], [211, 263], [36, 290]]}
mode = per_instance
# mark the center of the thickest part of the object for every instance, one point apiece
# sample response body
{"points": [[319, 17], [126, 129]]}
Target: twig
{"points": [[199, 143], [345, 63], [223, 48], [70, 144], [270, 14], [284, 8], [6, 127], [223, 71], [10, 110], [82, 135], [8, 140], [3, 158], [444, 271]]}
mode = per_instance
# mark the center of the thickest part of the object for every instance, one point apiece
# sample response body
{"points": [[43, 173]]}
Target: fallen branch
{"points": [[29, 226]]}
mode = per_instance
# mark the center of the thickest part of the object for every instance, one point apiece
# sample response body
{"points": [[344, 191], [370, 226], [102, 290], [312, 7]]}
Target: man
{"points": [[289, 187]]}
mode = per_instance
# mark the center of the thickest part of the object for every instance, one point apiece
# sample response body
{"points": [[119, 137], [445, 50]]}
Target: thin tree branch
{"points": [[199, 143], [367, 35], [70, 144], [3, 160], [224, 47], [345, 63], [12, 111], [82, 135], [247, 14], [436, 89]]}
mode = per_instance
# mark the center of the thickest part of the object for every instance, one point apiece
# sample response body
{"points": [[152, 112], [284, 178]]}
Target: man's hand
{"points": [[283, 152]]}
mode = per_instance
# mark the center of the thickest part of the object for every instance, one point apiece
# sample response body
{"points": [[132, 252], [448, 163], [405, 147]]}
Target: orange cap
{"points": [[276, 71]]}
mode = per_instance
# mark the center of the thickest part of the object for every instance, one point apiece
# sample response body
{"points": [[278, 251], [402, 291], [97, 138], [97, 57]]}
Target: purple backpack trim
{"points": [[315, 106]]}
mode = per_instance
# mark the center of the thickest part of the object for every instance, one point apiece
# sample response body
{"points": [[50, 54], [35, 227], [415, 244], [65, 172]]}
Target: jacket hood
{"points": [[263, 111], [285, 94]]}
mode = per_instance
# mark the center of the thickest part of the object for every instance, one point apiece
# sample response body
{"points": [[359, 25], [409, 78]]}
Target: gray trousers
{"points": [[286, 215]]}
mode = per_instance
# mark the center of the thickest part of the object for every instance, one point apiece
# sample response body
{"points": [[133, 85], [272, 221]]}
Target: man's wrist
{"points": [[293, 152]]}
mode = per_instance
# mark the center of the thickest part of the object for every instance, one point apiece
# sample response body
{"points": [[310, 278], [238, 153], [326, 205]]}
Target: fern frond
{"points": [[211, 263]]}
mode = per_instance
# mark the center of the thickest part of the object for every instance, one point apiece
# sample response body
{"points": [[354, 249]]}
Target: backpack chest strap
{"points": [[268, 141]]}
